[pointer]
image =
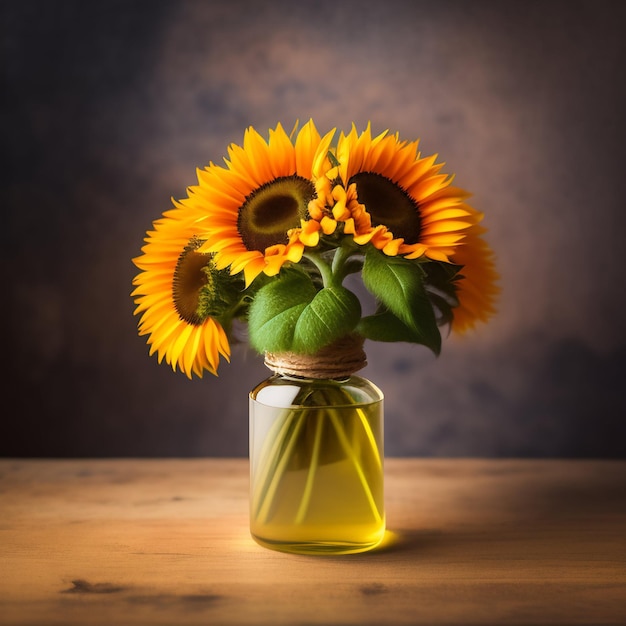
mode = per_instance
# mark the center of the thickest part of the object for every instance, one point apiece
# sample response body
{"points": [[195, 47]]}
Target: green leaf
{"points": [[386, 326], [442, 305], [441, 287], [275, 310], [398, 284], [333, 313], [290, 315]]}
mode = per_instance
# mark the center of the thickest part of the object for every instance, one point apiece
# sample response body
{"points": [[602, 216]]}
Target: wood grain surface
{"points": [[166, 542]]}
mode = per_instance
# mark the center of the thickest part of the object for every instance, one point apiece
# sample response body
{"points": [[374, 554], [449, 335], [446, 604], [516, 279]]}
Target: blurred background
{"points": [[109, 107]]}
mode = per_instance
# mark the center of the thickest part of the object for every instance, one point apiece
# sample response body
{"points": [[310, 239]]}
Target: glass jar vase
{"points": [[316, 464]]}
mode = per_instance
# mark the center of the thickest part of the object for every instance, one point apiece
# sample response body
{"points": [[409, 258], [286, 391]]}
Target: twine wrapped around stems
{"points": [[340, 359]]}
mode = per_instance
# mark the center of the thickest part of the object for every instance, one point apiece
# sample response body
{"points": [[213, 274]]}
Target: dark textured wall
{"points": [[108, 108]]}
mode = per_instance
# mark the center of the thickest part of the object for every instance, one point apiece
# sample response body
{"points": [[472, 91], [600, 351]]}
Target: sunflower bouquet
{"points": [[268, 238], [268, 241]]}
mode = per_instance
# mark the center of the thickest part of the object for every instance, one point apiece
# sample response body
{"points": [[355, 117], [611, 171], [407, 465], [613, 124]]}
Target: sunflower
{"points": [[412, 208], [477, 289], [180, 294], [253, 213]]}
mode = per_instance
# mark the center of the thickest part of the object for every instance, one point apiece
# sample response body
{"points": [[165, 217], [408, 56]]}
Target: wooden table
{"points": [[154, 542]]}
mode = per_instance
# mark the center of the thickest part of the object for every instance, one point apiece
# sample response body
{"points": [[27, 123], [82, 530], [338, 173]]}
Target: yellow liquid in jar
{"points": [[317, 478]]}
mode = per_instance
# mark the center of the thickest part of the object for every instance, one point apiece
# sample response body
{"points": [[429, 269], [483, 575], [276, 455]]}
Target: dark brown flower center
{"points": [[190, 277], [273, 209], [389, 205]]}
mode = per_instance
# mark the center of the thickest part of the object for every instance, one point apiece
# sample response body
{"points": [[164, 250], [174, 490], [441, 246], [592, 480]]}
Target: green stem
{"points": [[342, 254], [368, 430], [370, 436], [345, 443], [269, 457], [268, 496], [324, 268], [308, 488]]}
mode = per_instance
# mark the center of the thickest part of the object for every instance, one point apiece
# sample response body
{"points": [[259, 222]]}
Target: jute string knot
{"points": [[339, 359]]}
